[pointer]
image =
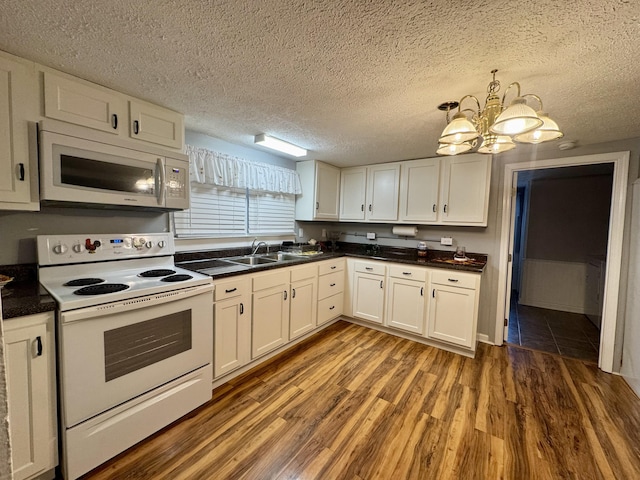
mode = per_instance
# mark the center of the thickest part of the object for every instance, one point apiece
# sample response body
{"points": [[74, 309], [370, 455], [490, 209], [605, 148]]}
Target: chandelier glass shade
{"points": [[495, 126]]}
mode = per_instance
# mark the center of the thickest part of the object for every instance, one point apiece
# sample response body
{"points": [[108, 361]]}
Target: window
{"points": [[227, 212]]}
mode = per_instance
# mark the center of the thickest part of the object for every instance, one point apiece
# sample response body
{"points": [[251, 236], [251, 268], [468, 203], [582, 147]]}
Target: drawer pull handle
{"points": [[368, 268], [21, 172], [39, 346], [241, 308], [332, 284], [454, 280], [285, 294], [317, 205], [422, 291], [362, 207], [332, 307], [434, 208], [433, 293], [136, 127], [114, 121], [334, 267], [406, 273], [230, 290], [445, 208], [293, 293], [380, 283], [370, 207]]}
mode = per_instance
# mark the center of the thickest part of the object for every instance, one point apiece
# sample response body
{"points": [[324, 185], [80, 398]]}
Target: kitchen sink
{"points": [[252, 260], [282, 257]]}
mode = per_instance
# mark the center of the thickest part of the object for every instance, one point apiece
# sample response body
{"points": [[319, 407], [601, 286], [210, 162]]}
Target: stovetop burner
{"points": [[101, 289], [162, 272], [81, 282], [177, 278]]}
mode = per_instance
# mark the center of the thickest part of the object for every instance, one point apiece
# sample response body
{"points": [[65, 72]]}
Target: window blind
{"points": [[271, 213], [214, 212]]}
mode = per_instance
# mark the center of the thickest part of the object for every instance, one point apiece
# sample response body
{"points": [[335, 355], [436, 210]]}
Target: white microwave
{"points": [[77, 170]]}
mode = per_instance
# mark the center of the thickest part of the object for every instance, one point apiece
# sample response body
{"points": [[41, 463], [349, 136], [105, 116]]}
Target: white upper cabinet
{"points": [[84, 104], [464, 198], [156, 125], [320, 191], [353, 191], [18, 165], [419, 184], [370, 193]]}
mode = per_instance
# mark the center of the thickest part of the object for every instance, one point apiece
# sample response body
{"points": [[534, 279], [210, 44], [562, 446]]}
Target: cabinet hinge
{"points": [[506, 322], [509, 258], [514, 192]]}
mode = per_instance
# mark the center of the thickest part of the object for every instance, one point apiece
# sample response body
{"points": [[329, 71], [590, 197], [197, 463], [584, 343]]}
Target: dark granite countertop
{"points": [[22, 296], [208, 262]]}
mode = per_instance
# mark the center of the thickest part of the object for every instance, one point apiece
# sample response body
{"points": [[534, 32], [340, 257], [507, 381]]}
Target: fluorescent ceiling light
{"points": [[280, 145]]}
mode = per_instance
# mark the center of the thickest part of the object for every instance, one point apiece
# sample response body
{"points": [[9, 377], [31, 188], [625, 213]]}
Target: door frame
{"points": [[620, 162]]}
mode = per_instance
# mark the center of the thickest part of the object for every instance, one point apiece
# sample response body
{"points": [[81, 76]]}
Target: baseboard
{"points": [[484, 338]]}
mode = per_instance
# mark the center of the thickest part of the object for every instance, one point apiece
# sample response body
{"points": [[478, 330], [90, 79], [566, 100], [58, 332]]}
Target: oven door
{"points": [[112, 353]]}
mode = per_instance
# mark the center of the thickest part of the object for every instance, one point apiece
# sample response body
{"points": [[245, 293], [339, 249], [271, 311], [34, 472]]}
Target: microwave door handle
{"points": [[161, 187]]}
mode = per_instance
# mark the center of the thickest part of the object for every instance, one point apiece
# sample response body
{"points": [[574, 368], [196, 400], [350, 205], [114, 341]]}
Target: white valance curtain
{"points": [[222, 170]]}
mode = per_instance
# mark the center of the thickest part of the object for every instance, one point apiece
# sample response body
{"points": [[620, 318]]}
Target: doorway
{"points": [[560, 235], [620, 162]]}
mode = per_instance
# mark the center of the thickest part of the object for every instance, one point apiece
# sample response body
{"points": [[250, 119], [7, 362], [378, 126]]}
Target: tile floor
{"points": [[568, 334]]}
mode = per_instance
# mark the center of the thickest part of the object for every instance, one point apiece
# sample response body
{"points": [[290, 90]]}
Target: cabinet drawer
{"points": [[330, 284], [331, 266], [411, 273], [369, 267], [330, 308], [271, 279], [455, 279], [303, 272], [231, 288]]}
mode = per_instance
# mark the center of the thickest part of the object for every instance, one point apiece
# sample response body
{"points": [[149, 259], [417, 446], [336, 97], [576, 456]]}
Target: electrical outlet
{"points": [[371, 236], [300, 233], [324, 233], [446, 241]]}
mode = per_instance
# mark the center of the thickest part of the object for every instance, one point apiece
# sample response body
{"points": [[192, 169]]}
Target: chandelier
{"points": [[496, 127]]}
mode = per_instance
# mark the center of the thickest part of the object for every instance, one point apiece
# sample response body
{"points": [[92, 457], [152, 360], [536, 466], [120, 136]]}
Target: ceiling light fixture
{"points": [[495, 125], [279, 145]]}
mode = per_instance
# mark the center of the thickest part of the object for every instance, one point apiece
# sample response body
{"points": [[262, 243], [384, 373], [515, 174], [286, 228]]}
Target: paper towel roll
{"points": [[405, 230]]}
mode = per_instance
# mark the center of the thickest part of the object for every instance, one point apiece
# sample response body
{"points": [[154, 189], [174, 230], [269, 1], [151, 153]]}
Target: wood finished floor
{"points": [[352, 403]]}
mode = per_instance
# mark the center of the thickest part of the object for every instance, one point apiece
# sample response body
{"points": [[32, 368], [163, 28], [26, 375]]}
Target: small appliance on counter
{"points": [[461, 254], [422, 249]]}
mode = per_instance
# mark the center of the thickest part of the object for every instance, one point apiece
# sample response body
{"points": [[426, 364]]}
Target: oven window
{"points": [[114, 177], [130, 348]]}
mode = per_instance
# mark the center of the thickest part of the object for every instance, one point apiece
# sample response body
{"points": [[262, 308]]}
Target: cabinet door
{"points": [[353, 184], [327, 191], [156, 124], [452, 315], [14, 141], [90, 106], [231, 334], [29, 397], [383, 184], [465, 190], [419, 181], [270, 323], [405, 305], [302, 318], [368, 297]]}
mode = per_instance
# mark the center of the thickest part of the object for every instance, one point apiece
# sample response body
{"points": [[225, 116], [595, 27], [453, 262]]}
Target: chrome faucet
{"points": [[255, 249]]}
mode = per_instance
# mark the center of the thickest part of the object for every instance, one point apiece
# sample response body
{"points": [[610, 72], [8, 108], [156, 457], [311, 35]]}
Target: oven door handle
{"points": [[160, 184]]}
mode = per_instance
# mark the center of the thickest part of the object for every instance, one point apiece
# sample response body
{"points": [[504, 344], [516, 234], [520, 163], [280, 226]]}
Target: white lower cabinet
{"points": [[453, 311], [406, 299], [304, 297], [232, 325], [368, 291], [330, 289], [29, 346], [270, 306]]}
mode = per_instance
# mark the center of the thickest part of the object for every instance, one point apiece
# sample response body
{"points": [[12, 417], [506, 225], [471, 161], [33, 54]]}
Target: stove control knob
{"points": [[60, 249], [77, 248], [149, 244], [161, 244]]}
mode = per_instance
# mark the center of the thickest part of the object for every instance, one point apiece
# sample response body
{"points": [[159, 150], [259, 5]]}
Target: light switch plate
{"points": [[446, 241]]}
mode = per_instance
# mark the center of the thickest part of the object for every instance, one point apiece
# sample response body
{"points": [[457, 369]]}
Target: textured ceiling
{"points": [[355, 82]]}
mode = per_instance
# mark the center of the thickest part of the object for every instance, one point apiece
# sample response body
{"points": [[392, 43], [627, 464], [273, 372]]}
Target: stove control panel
{"points": [[68, 249]]}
